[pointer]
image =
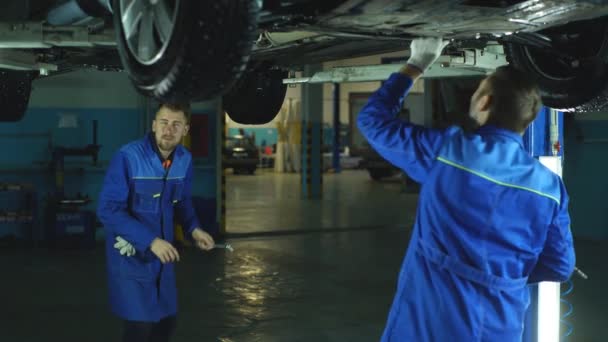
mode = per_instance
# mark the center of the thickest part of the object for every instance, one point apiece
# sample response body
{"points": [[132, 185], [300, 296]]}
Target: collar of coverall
{"points": [[166, 162], [493, 130]]}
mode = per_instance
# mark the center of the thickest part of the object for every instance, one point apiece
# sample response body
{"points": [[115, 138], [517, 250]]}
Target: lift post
{"points": [[544, 140]]}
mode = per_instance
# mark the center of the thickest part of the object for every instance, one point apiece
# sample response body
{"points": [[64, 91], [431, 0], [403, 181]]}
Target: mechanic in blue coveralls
{"points": [[146, 186], [491, 219]]}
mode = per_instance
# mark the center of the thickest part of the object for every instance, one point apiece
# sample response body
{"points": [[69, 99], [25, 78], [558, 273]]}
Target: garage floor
{"points": [[326, 285], [269, 202]]}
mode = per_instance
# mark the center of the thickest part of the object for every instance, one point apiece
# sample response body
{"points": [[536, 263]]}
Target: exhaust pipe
{"points": [[74, 11]]}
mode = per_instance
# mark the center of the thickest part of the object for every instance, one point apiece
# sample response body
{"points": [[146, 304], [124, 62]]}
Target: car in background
{"points": [[241, 155], [377, 167], [175, 50]]}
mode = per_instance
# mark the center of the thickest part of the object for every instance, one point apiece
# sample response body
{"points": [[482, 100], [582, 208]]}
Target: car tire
{"points": [[195, 49], [575, 81], [258, 96], [15, 90], [378, 174]]}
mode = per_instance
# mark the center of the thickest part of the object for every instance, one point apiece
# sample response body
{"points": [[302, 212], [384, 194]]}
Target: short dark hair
{"points": [[183, 107], [515, 99]]}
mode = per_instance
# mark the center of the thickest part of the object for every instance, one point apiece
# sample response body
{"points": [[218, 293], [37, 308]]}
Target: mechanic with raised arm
{"points": [[147, 183], [491, 219]]}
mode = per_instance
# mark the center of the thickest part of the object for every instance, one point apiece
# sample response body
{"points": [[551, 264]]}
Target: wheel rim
{"points": [[147, 26]]}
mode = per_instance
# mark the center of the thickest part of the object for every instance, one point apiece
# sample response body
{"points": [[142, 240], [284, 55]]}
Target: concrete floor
{"points": [[269, 202], [324, 283]]}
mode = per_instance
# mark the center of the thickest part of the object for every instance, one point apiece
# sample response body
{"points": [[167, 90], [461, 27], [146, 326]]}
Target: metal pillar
{"points": [[220, 170], [544, 141], [312, 124], [428, 103], [336, 140]]}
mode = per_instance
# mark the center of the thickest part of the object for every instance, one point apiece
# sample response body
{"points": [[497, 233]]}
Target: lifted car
{"points": [[243, 49]]}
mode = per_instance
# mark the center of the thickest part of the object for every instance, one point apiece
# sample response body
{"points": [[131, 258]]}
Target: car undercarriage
{"points": [[184, 50]]}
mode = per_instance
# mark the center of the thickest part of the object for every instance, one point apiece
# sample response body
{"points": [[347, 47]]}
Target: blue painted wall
{"points": [[585, 175], [122, 115], [116, 126], [585, 140], [31, 140], [27, 155]]}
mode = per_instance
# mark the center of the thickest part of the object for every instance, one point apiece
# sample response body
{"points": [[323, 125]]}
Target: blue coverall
{"points": [[138, 202], [491, 219]]}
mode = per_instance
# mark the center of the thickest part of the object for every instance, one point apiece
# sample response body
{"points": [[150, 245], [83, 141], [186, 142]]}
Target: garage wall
{"points": [[586, 142], [61, 113], [268, 133], [85, 88], [360, 87]]}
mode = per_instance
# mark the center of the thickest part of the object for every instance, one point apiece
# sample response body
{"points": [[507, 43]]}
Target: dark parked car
{"points": [[241, 155], [242, 49], [375, 164]]}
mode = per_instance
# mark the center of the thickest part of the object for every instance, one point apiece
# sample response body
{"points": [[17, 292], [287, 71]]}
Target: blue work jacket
{"points": [[491, 219], [138, 202]]}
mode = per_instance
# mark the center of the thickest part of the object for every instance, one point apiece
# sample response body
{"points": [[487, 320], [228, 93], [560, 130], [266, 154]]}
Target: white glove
{"points": [[425, 51], [124, 247]]}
